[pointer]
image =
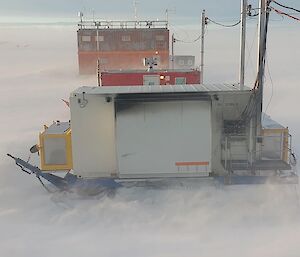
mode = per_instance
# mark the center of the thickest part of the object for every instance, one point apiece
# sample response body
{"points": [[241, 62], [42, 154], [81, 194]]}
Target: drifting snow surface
{"points": [[39, 68]]}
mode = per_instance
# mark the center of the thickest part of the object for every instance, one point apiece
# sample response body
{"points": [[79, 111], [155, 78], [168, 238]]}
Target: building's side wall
{"points": [[93, 136], [136, 79], [227, 106], [158, 138], [121, 48], [182, 62]]}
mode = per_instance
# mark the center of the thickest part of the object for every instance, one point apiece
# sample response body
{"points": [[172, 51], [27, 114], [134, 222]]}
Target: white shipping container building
{"points": [[154, 131], [127, 133], [143, 134]]}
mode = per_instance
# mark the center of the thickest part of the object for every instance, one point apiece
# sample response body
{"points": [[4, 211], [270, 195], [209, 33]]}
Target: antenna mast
{"points": [[202, 45], [135, 3], [172, 57], [243, 43]]}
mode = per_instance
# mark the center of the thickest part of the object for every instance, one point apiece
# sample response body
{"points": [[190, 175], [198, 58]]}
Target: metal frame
{"points": [[122, 24], [69, 157], [285, 149]]}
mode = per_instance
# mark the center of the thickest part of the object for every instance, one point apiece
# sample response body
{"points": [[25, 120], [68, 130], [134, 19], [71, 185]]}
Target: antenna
{"points": [[135, 3], [203, 23], [172, 57], [80, 15], [93, 12], [171, 10]]}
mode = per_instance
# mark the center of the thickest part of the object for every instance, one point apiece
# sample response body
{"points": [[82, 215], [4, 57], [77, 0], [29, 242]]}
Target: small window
{"points": [[99, 39], [181, 62], [160, 38], [103, 60], [180, 81], [126, 38], [190, 62], [86, 38]]}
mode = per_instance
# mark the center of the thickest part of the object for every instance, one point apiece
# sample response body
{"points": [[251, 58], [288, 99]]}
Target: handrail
{"points": [[122, 24], [285, 149]]}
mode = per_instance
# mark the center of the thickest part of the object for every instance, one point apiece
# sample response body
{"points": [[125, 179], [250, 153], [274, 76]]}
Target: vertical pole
{"points": [[98, 52], [135, 10], [202, 46], [261, 45], [98, 74], [243, 43], [172, 57], [97, 40], [167, 15], [260, 72], [261, 56]]}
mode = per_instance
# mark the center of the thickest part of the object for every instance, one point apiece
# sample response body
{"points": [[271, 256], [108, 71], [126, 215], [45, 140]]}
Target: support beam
{"points": [[262, 41]]}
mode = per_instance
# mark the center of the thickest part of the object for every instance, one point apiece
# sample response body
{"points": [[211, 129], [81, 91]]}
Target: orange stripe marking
{"points": [[192, 163]]}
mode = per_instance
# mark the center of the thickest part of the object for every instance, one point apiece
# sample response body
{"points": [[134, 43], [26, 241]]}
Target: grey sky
{"points": [[103, 8]]}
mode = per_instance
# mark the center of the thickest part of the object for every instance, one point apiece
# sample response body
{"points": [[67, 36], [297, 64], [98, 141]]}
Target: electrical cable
{"points": [[224, 25], [272, 87], [285, 14], [249, 60], [188, 42], [287, 7], [192, 41]]}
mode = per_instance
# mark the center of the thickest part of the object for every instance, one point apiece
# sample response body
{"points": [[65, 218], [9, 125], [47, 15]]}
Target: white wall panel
{"points": [[153, 137], [93, 137]]}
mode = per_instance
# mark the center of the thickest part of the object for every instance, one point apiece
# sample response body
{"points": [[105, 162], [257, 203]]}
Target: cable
{"points": [[287, 7], [286, 14], [223, 25], [192, 41], [249, 60], [272, 86], [188, 42]]}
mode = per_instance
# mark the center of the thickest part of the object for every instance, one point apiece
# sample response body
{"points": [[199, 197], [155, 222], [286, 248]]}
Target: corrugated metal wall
{"points": [[136, 78], [121, 48]]}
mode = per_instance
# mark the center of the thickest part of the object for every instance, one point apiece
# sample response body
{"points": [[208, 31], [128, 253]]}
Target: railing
{"points": [[122, 24], [273, 149]]}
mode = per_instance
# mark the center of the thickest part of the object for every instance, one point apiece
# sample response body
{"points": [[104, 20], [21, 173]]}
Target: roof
{"points": [[58, 128], [155, 71], [160, 89], [269, 123]]}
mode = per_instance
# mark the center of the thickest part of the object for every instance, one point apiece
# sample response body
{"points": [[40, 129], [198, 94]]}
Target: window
{"points": [[181, 62], [126, 38], [103, 61], [190, 62], [160, 38], [180, 81], [99, 39], [86, 38]]}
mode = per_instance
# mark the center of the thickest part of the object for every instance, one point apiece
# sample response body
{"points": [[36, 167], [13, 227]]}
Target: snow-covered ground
{"points": [[38, 67]]}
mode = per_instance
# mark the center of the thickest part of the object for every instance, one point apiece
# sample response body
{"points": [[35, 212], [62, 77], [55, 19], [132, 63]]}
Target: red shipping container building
{"points": [[156, 77], [121, 45]]}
